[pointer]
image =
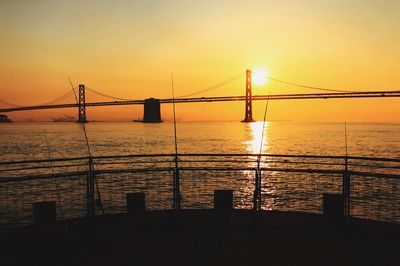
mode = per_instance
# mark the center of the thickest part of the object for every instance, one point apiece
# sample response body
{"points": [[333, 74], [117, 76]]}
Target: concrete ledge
{"points": [[196, 237]]}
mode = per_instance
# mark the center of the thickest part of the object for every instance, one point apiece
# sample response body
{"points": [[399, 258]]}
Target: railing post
{"points": [[90, 195], [176, 190], [257, 191], [346, 192], [346, 188]]}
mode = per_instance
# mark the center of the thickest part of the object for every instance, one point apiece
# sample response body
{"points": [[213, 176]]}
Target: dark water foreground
{"points": [[203, 237]]}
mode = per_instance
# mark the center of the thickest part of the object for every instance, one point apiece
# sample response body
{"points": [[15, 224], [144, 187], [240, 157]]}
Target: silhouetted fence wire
{"points": [[289, 183]]}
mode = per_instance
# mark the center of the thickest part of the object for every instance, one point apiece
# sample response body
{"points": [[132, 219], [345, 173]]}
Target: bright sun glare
{"points": [[259, 77]]}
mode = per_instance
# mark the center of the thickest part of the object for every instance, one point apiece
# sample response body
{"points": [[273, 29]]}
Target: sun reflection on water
{"points": [[256, 138], [253, 144]]}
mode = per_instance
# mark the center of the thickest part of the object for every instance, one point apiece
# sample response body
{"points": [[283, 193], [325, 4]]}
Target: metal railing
{"points": [[288, 183]]}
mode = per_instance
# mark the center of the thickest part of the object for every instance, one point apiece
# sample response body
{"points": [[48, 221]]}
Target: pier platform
{"points": [[204, 237]]}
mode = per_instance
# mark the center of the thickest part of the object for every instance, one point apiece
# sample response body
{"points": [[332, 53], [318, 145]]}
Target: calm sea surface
{"points": [[22, 141], [373, 198]]}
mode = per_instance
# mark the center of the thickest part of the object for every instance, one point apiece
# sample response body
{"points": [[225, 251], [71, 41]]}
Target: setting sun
{"points": [[259, 77], [186, 132]]}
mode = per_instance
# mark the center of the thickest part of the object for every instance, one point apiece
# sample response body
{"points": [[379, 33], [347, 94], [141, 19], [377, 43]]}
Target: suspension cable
{"points": [[306, 86], [216, 86], [106, 95], [10, 104], [60, 98]]}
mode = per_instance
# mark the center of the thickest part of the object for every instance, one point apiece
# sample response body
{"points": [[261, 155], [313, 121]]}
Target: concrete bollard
{"points": [[135, 203], [223, 200], [44, 213], [333, 205]]}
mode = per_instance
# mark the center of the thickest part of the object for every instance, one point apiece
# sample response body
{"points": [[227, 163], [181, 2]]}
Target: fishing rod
{"points": [[91, 172], [257, 239], [176, 193], [257, 188]]}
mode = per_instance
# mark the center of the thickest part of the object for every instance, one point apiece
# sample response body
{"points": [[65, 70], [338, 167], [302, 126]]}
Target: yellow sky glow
{"points": [[129, 48]]}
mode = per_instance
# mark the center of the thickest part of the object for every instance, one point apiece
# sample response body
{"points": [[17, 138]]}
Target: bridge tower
{"points": [[248, 115], [82, 105]]}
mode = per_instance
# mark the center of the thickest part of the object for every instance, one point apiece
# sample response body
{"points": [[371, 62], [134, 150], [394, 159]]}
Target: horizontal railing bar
{"points": [[200, 161], [41, 167], [219, 155], [215, 169], [395, 160], [79, 173], [45, 160], [264, 161], [133, 162], [378, 175], [42, 176], [206, 155], [374, 166]]}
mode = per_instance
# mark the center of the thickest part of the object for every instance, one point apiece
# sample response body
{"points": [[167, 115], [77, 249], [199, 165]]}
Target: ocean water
{"points": [[27, 140], [374, 198]]}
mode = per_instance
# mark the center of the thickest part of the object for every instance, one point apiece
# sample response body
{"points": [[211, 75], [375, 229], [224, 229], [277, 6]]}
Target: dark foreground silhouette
{"points": [[204, 238]]}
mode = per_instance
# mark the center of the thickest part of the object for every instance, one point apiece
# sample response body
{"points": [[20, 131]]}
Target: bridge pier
{"points": [[81, 105], [152, 111], [248, 114]]}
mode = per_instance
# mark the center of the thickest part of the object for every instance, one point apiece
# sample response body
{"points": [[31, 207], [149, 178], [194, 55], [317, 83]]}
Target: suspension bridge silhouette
{"points": [[152, 111]]}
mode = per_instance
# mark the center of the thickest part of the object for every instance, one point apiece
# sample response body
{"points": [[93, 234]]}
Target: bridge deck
{"points": [[364, 94]]}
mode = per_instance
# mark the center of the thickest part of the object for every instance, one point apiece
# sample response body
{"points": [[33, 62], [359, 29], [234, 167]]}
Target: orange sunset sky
{"points": [[129, 48]]}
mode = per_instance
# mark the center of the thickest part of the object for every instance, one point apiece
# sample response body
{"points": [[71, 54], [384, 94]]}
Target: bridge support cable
{"points": [[65, 96], [307, 86], [10, 104], [216, 86], [213, 87], [107, 96], [58, 99]]}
